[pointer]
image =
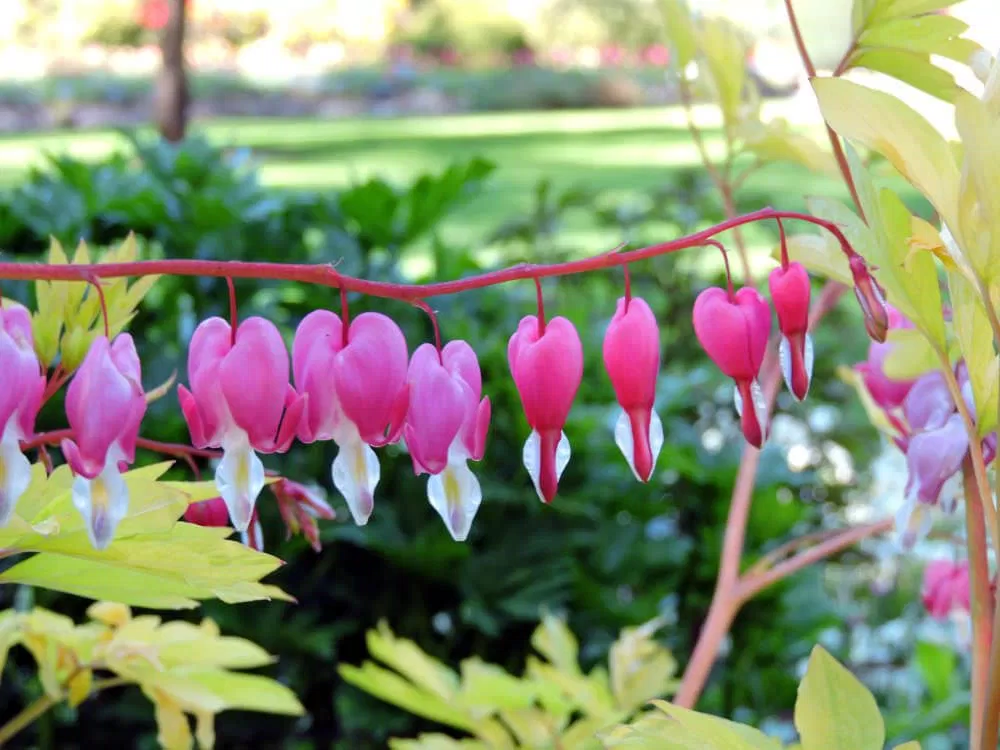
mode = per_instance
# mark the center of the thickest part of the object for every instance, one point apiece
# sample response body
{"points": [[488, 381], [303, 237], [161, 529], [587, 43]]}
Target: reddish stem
{"points": [[541, 307], [784, 244], [233, 319], [328, 276], [345, 314], [628, 287], [434, 322], [729, 275], [96, 283]]}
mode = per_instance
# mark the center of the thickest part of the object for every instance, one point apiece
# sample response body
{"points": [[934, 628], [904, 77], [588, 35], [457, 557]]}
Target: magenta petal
{"points": [[254, 377], [99, 404], [397, 418], [295, 410], [934, 456], [318, 339], [437, 409], [929, 404], [632, 354], [189, 408], [209, 346], [733, 332], [369, 374], [547, 370], [460, 359], [475, 438], [23, 381]]}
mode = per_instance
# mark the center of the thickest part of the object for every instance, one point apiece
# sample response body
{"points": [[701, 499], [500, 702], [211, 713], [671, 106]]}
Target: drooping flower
{"points": [[445, 427], [20, 399], [632, 359], [358, 396], [929, 404], [946, 588], [733, 330], [300, 506], [240, 400], [790, 292], [546, 361], [105, 404], [211, 512]]}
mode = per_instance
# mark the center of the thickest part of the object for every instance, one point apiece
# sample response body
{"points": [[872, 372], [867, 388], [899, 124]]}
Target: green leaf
{"points": [[714, 732], [680, 31], [911, 356], [834, 711], [247, 692], [641, 669], [911, 745], [860, 12], [725, 56], [914, 68], [409, 660], [488, 686], [979, 207], [556, 642], [882, 122], [820, 254], [974, 333], [917, 34], [776, 141], [937, 665]]}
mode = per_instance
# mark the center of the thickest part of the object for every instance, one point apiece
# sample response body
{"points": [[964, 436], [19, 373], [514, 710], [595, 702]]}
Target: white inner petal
{"points": [[240, 479], [355, 475], [15, 475], [531, 457], [785, 360], [456, 496], [625, 443], [102, 501], [913, 521]]}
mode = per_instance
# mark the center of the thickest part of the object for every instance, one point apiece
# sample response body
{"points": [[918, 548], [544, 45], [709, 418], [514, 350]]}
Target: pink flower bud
{"points": [[790, 292], [632, 359], [300, 506], [358, 396], [871, 298], [445, 427], [946, 588], [211, 512], [105, 404], [547, 368], [734, 332], [240, 400], [20, 399]]}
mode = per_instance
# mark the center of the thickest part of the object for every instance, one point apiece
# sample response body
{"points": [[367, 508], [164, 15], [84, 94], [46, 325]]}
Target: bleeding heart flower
{"points": [[211, 512], [358, 397], [632, 359], [105, 404], [871, 298], [790, 292], [929, 404], [885, 391], [547, 365], [20, 399], [445, 427], [733, 330], [240, 400], [946, 588]]}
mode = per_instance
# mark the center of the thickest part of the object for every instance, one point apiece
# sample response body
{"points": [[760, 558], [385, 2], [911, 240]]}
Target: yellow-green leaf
{"points": [[712, 731], [914, 68], [911, 355], [925, 34], [556, 642], [979, 219], [725, 56], [79, 687], [975, 336], [680, 30], [911, 745], [409, 660], [882, 122], [247, 692], [640, 668], [834, 711], [820, 254], [490, 687], [876, 415], [776, 141]]}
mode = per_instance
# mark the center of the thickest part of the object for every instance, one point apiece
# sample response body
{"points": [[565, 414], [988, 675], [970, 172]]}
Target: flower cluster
{"points": [[733, 328], [946, 588], [930, 431]]}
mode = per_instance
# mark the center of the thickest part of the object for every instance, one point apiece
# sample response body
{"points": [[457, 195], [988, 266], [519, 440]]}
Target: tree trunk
{"points": [[172, 87]]}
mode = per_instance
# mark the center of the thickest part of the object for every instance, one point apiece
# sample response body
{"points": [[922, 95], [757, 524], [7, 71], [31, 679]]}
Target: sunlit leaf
{"points": [[556, 642], [725, 55], [884, 123], [911, 355], [776, 141], [979, 207], [834, 711], [640, 668], [680, 30], [974, 333], [913, 68]]}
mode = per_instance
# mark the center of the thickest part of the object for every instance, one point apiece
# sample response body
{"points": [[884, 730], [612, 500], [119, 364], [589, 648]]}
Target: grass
{"points": [[619, 152]]}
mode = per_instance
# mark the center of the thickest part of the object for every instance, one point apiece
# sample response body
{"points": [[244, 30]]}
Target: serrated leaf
{"points": [[407, 658], [884, 123], [556, 642], [834, 711]]}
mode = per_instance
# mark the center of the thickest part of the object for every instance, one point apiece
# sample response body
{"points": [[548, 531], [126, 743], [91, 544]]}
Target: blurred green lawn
{"points": [[618, 152]]}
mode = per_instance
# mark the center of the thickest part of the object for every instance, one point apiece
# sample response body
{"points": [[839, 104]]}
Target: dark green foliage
{"points": [[609, 552]]}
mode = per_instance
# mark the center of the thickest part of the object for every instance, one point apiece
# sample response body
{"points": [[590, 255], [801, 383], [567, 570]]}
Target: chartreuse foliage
{"points": [[69, 317], [963, 184], [154, 561], [554, 704], [834, 711], [182, 668], [898, 37]]}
